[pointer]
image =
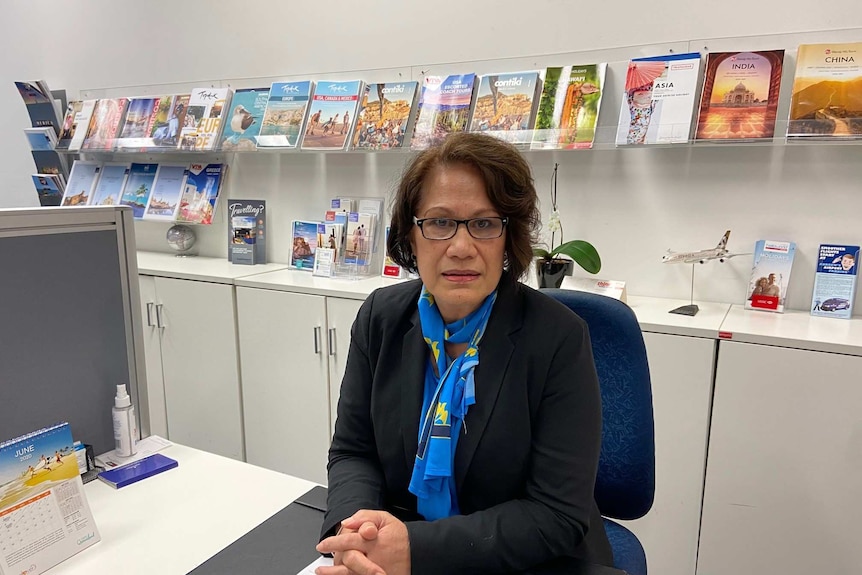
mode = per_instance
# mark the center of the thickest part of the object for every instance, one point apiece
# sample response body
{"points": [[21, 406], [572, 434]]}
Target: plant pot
{"points": [[550, 273]]}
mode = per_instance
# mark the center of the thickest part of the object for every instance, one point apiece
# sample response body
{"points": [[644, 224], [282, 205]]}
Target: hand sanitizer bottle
{"points": [[125, 429]]}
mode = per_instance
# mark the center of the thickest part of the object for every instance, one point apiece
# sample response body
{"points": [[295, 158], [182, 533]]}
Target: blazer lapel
{"points": [[411, 379], [495, 350]]}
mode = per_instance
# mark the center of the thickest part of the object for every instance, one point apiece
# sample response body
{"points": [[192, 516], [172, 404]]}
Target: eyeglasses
{"points": [[446, 228]]}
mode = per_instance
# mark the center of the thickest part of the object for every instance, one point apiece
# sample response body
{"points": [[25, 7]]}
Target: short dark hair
{"points": [[508, 182]]}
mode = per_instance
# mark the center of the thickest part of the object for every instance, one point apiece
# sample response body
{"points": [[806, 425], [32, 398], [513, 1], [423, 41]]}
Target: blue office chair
{"points": [[625, 484]]}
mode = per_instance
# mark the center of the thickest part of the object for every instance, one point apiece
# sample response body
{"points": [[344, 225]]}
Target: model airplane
{"points": [[719, 253]]}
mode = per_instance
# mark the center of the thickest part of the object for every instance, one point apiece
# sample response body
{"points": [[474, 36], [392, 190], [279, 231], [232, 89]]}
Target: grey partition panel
{"points": [[63, 338]]}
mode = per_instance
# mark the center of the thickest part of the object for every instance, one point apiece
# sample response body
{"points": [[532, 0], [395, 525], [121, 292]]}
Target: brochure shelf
{"points": [[612, 88]]}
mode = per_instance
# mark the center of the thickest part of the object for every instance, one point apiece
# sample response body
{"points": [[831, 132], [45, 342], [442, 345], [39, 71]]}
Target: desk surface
{"points": [[210, 513], [174, 521]]}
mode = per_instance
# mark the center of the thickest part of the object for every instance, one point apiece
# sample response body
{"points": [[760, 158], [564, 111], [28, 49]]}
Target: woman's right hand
{"points": [[353, 561]]}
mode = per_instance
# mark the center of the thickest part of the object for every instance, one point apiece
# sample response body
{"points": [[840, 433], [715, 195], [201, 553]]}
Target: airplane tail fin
{"points": [[723, 243]]}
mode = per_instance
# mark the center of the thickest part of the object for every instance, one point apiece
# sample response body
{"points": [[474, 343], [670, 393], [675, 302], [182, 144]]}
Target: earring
{"points": [[505, 260]]}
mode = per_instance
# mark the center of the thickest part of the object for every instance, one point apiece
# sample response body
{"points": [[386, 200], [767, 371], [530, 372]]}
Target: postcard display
{"points": [[44, 514]]}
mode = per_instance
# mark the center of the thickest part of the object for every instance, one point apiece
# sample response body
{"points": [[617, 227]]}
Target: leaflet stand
{"points": [[351, 271], [360, 256]]}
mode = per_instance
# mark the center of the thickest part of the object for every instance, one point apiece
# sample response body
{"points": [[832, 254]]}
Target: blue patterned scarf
{"points": [[445, 403]]}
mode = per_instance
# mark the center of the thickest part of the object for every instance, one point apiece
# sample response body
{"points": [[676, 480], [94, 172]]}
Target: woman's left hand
{"points": [[379, 535]]}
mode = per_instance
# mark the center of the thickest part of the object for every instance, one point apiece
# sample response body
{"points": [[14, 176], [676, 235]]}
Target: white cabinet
{"points": [[153, 357], [340, 314], [681, 375], [785, 463], [285, 376], [191, 358]]}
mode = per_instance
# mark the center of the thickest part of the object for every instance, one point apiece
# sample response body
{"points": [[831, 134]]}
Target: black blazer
{"points": [[526, 461]]}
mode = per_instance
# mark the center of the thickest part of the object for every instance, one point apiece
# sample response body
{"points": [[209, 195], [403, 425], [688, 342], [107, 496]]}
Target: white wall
{"points": [[633, 204]]}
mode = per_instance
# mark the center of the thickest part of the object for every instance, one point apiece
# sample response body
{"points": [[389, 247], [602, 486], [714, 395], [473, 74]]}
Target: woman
{"points": [[641, 106], [469, 423]]}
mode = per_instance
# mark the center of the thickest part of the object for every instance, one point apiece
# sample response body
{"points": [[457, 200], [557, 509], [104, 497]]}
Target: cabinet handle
{"points": [[159, 322], [150, 314], [317, 340], [332, 341]]}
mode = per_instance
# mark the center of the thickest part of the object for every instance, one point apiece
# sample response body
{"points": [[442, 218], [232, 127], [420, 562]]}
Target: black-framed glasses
{"points": [[445, 228]]}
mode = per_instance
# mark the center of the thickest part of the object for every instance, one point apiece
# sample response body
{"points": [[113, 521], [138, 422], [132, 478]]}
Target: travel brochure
{"points": [[835, 281], [658, 100], [246, 232], [770, 275], [569, 107], [739, 99]]}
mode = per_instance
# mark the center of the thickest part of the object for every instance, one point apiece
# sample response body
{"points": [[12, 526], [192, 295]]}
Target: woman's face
{"points": [[462, 271], [642, 98]]}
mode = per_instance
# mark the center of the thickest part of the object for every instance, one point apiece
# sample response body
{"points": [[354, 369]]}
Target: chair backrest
{"points": [[625, 484]]}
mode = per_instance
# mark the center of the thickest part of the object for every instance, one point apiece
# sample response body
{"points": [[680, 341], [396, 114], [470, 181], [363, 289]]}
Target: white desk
{"points": [[172, 522]]}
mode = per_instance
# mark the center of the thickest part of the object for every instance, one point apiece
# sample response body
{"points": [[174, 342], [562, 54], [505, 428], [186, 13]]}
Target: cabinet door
{"points": [[153, 358], [340, 314], [784, 474], [681, 372], [199, 359], [285, 381]]}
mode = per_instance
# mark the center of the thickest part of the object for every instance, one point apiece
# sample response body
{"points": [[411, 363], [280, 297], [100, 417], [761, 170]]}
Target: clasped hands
{"points": [[368, 543]]}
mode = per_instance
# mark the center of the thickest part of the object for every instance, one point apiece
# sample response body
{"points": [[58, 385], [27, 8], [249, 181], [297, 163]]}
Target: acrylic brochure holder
{"points": [[361, 253]]}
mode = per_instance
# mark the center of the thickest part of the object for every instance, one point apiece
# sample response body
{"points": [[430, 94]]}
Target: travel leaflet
{"points": [[49, 189], [835, 281], [40, 104], [201, 192], [331, 115], [285, 114], [569, 107], [204, 118], [826, 101], [164, 201], [386, 114], [50, 162], [658, 100], [359, 239], [82, 181], [506, 105], [138, 188], [444, 108], [104, 124], [41, 139], [304, 245], [112, 182], [242, 125], [82, 124], [740, 95], [770, 275], [246, 232], [169, 120], [137, 124], [69, 125]]}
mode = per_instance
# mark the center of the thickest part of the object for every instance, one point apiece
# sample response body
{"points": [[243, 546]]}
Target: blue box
{"points": [[134, 472]]}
